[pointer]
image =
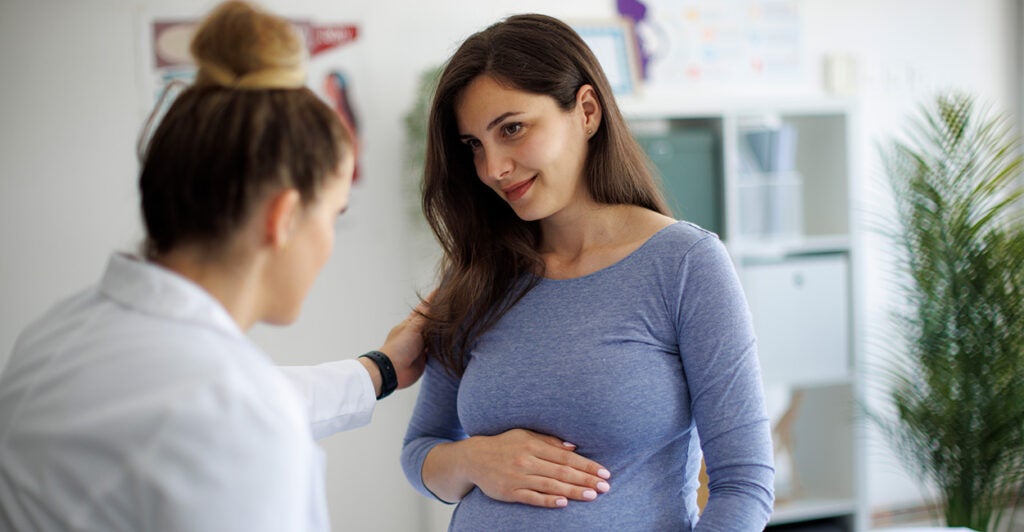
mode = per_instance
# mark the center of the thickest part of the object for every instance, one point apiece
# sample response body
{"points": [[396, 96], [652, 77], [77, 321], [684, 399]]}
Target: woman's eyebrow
{"points": [[493, 123], [503, 116]]}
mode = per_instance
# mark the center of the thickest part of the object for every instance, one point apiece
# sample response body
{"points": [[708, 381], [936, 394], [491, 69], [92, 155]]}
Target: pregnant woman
{"points": [[587, 350]]}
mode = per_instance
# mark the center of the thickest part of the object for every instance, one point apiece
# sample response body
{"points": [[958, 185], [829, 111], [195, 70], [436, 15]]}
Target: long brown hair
{"points": [[247, 125], [490, 255]]}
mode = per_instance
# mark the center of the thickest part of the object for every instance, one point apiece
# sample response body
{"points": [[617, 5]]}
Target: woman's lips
{"points": [[518, 190]]}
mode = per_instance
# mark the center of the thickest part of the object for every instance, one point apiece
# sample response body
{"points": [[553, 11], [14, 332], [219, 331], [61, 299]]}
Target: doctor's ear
{"points": [[280, 217]]}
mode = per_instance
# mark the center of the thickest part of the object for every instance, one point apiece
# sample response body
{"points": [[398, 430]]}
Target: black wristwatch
{"points": [[388, 377]]}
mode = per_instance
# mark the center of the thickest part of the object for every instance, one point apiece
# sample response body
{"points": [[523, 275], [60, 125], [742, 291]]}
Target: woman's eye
{"points": [[472, 143], [512, 129]]}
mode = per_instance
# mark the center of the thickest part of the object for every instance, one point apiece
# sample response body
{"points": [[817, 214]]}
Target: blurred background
{"points": [[79, 78]]}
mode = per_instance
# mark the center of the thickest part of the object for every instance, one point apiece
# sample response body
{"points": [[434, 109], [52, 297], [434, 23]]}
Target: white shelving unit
{"points": [[783, 204]]}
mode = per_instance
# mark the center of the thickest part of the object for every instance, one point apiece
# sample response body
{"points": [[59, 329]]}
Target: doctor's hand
{"points": [[531, 468], [404, 346]]}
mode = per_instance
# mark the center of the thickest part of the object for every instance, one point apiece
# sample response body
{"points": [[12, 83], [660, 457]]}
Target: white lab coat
{"points": [[140, 405]]}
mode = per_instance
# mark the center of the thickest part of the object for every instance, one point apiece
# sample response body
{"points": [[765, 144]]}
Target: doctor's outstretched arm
{"points": [[341, 395]]}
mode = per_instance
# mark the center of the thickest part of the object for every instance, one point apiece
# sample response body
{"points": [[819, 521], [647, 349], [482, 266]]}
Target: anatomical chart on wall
{"points": [[334, 60]]}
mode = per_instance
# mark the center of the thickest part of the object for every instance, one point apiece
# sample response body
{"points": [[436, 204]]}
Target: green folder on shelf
{"points": [[690, 167]]}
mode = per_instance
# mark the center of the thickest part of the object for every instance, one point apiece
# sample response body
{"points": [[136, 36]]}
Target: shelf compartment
{"points": [[771, 206]]}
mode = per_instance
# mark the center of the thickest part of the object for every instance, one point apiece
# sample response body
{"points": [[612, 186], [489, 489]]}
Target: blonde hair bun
{"points": [[241, 46]]}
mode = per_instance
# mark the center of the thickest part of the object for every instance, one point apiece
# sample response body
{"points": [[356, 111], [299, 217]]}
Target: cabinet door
{"points": [[800, 308]]}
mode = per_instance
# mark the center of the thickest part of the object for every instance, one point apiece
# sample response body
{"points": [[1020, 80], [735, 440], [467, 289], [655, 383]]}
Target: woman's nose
{"points": [[496, 164]]}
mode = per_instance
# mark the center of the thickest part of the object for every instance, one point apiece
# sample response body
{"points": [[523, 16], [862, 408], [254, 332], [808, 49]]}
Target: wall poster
{"points": [[697, 42], [168, 67]]}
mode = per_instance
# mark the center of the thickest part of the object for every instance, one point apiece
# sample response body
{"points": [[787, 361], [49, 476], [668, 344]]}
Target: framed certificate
{"points": [[613, 43]]}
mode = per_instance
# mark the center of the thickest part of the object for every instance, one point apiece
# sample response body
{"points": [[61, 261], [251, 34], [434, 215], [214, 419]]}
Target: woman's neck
{"points": [[595, 238], [231, 282], [586, 228]]}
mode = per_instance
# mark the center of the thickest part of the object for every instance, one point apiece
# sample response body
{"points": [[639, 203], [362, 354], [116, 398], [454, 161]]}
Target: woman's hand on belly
{"points": [[519, 466]]}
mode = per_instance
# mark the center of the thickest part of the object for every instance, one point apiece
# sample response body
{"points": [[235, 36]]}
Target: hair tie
{"points": [[267, 78]]}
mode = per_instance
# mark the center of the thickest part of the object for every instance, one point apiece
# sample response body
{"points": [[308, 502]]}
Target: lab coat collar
{"points": [[153, 289]]}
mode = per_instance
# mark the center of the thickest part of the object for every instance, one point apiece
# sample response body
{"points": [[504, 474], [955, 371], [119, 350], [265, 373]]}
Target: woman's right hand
{"points": [[518, 466]]}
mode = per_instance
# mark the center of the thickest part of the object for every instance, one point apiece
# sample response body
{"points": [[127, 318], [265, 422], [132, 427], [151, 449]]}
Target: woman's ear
{"points": [[590, 108], [280, 217]]}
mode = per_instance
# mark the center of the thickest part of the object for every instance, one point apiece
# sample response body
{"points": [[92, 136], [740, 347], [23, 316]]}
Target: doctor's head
{"points": [[248, 167]]}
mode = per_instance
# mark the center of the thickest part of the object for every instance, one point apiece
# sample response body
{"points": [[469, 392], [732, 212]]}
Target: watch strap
{"points": [[388, 376]]}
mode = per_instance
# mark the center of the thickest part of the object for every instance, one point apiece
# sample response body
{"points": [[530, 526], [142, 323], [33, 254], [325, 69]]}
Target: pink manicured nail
{"points": [[589, 495], [604, 473], [603, 487], [569, 445], [561, 503]]}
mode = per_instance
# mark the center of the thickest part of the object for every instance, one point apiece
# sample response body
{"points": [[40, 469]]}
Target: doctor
{"points": [[140, 404]]}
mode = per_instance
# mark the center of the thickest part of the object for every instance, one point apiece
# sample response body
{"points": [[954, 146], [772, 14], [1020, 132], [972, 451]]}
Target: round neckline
{"points": [[615, 264]]}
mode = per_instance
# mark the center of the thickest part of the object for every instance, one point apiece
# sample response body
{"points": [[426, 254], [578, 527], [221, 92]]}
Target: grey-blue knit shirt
{"points": [[629, 363]]}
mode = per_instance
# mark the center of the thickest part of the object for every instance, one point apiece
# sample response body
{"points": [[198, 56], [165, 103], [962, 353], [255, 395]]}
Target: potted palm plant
{"points": [[954, 383]]}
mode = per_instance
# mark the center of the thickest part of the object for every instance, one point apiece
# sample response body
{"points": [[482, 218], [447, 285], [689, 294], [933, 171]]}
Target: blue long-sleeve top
{"points": [[629, 363]]}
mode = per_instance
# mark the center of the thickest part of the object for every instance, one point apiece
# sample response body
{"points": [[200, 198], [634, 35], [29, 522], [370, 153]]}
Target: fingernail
{"points": [[569, 445], [604, 473], [561, 503], [603, 487], [589, 495]]}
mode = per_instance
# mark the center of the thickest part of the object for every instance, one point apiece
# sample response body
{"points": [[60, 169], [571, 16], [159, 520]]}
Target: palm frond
{"points": [[956, 381]]}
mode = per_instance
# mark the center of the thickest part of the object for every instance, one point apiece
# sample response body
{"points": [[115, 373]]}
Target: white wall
{"points": [[72, 105]]}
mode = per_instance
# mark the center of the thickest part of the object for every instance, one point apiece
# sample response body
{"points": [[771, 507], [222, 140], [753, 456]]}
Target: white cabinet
{"points": [[801, 314], [775, 180]]}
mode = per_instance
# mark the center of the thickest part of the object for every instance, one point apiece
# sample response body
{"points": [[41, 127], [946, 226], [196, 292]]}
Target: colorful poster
{"points": [[694, 42]]}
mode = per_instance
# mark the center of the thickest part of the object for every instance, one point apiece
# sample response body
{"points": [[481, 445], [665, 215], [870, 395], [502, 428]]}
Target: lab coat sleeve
{"points": [[339, 395]]}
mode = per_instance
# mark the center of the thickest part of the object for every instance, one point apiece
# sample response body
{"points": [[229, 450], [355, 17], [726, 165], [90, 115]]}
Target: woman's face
{"points": [[525, 148], [310, 245]]}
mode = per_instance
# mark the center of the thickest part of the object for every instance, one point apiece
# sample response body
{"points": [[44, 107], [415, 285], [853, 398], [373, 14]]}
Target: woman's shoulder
{"points": [[670, 246], [676, 237]]}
